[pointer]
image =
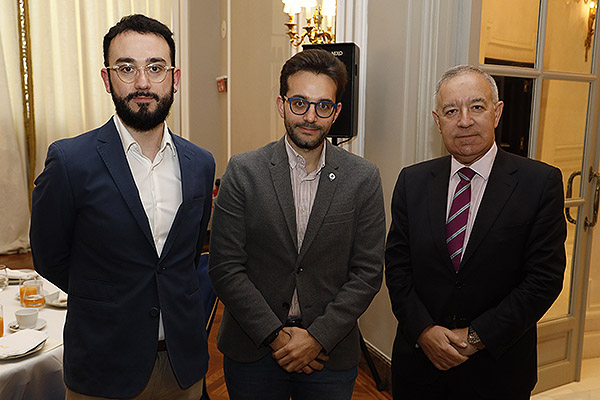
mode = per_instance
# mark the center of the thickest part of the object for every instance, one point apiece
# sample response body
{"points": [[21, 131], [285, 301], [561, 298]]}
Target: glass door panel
{"points": [[568, 31], [509, 38], [512, 133], [561, 137], [561, 142], [562, 305]]}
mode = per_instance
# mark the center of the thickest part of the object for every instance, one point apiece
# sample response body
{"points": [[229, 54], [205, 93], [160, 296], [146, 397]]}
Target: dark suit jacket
{"points": [[511, 272], [90, 236], [255, 264]]}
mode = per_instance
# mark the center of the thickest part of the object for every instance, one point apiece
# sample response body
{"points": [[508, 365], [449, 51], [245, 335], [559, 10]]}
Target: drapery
{"points": [[14, 198], [69, 97]]}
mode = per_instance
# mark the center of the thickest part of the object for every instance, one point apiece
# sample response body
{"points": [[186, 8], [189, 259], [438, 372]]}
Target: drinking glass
{"points": [[1, 321], [31, 293]]}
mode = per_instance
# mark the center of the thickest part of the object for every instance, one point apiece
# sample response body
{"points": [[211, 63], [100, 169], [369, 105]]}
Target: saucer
{"points": [[40, 324], [57, 299]]}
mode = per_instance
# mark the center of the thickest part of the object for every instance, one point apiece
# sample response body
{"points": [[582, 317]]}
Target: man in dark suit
{"points": [[297, 248], [118, 221], [467, 309]]}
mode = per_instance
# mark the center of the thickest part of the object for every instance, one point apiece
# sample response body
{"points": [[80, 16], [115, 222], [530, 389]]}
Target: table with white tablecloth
{"points": [[39, 375]]}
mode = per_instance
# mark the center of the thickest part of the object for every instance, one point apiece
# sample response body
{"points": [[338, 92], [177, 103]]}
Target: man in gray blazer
{"points": [[297, 248]]}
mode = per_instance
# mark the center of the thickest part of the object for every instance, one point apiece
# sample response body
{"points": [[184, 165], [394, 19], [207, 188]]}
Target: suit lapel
{"points": [[282, 183], [437, 200], [500, 186], [328, 181], [186, 166], [111, 151]]}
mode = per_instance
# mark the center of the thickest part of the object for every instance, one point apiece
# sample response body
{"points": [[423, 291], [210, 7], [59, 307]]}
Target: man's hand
{"points": [[440, 346], [281, 340], [462, 333], [300, 353]]}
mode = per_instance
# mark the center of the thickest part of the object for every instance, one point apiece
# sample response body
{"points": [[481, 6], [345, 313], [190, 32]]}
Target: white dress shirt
{"points": [[482, 168], [304, 189], [159, 185]]}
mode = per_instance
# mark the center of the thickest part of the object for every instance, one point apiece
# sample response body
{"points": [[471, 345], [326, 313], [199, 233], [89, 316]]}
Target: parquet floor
{"points": [[364, 388]]}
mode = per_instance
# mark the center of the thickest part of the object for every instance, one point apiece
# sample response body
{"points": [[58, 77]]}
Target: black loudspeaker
{"points": [[346, 126]]}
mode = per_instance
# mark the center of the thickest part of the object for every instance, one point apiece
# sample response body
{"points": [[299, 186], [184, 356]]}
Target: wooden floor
{"points": [[364, 388]]}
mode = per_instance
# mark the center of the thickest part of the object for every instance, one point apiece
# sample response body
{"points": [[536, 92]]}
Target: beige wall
{"points": [[204, 67], [259, 47], [399, 128]]}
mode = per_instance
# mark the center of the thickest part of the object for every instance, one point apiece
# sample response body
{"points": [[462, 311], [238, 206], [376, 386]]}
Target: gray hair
{"points": [[465, 69]]}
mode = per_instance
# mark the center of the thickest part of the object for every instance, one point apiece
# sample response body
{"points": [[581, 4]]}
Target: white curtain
{"points": [[66, 46], [14, 198], [69, 97]]}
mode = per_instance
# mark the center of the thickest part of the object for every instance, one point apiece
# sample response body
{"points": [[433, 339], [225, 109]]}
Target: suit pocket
{"points": [[339, 217], [94, 289]]}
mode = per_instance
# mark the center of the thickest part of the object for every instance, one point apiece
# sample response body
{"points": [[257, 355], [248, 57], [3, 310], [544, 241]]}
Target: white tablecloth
{"points": [[40, 375]]}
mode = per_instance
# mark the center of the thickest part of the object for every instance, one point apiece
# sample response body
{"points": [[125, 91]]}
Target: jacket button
{"points": [[285, 306], [154, 312]]}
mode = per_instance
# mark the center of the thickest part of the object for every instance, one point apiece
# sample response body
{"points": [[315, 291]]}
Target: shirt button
{"points": [[300, 269]]}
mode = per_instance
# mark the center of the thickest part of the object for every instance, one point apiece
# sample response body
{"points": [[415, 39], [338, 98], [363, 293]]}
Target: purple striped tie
{"points": [[456, 225]]}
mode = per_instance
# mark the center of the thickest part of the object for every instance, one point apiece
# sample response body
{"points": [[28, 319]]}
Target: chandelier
{"points": [[320, 23]]}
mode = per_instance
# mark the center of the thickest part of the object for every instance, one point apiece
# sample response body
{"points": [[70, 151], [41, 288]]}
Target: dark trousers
{"points": [[266, 380]]}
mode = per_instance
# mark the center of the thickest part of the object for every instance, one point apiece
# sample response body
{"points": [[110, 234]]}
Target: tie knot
{"points": [[466, 174]]}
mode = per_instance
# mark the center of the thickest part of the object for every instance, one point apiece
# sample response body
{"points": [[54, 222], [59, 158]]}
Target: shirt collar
{"points": [[294, 158], [483, 166], [127, 140]]}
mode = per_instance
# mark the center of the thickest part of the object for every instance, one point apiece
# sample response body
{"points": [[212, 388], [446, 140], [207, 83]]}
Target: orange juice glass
{"points": [[1, 321], [30, 287], [34, 301]]}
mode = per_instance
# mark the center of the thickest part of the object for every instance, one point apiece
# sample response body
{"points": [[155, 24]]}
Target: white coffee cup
{"points": [[27, 317]]}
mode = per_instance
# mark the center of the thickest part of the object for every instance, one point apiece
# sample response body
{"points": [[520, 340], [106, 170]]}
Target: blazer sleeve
{"points": [[228, 259], [53, 219], [543, 267], [412, 315]]}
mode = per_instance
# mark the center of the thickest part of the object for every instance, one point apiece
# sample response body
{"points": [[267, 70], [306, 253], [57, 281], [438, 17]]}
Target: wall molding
{"points": [[383, 365]]}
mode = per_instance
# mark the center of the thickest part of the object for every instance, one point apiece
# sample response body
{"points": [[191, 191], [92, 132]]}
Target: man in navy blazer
{"points": [[297, 248], [118, 222], [467, 326]]}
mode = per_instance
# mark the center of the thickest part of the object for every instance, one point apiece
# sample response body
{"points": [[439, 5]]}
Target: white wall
{"points": [[410, 44]]}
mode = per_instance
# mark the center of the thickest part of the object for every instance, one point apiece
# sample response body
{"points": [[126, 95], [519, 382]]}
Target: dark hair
{"points": [[318, 61], [141, 24]]}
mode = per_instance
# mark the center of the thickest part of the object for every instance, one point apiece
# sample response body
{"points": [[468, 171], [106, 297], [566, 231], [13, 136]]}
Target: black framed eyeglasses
{"points": [[300, 106], [128, 73]]}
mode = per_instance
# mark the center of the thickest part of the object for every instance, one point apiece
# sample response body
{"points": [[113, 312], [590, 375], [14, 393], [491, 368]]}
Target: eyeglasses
{"points": [[300, 106], [128, 73]]}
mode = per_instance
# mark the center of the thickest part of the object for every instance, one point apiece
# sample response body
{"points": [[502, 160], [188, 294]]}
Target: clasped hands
{"points": [[296, 350], [445, 348]]}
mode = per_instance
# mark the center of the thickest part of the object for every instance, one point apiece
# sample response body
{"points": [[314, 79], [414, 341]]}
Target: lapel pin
{"points": [[331, 176]]}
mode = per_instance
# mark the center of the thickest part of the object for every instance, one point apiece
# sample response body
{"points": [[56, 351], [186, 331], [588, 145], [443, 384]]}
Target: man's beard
{"points": [[302, 142], [142, 120]]}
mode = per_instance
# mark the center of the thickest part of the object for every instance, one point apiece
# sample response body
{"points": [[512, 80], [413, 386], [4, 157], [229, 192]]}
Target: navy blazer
{"points": [[511, 272], [90, 236]]}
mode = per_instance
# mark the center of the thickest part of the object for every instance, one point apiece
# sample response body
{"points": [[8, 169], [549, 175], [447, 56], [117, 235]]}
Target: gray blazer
{"points": [[255, 264]]}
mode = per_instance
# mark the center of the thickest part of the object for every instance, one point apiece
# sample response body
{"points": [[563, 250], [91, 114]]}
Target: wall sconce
{"points": [[323, 16], [591, 20]]}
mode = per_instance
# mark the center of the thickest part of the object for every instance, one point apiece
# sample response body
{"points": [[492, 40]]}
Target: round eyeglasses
{"points": [[128, 73], [300, 106]]}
